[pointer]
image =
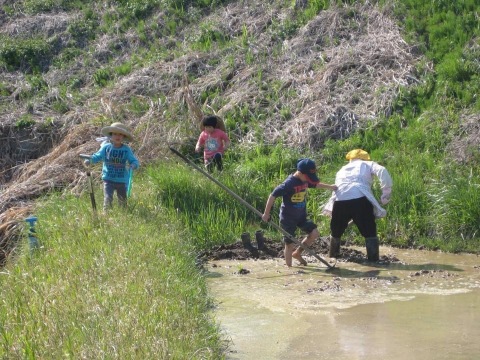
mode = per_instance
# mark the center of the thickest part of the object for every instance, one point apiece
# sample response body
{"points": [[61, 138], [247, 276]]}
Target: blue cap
{"points": [[308, 167]]}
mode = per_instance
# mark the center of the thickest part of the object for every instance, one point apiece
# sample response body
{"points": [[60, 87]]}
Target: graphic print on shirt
{"points": [[115, 162], [298, 197], [211, 144]]}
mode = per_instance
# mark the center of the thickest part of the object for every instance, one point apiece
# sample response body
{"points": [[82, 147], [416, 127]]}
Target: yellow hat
{"points": [[358, 154]]}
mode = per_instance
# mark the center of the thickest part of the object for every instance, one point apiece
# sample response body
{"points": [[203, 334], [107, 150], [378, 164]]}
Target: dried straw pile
{"points": [[341, 70], [11, 231], [465, 147]]}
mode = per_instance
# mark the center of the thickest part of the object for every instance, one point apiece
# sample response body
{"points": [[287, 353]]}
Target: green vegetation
{"points": [[447, 31], [125, 286], [24, 122], [26, 54]]}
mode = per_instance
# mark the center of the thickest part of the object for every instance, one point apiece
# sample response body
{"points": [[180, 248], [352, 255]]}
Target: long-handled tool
{"points": [[90, 184], [250, 207]]}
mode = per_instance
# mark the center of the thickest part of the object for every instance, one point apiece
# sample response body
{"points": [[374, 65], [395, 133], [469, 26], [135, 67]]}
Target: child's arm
{"points": [[98, 156], [226, 144], [226, 141], [332, 187], [133, 161], [268, 208], [200, 143]]}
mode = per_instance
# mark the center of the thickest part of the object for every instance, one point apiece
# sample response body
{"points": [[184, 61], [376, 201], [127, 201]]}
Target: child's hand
{"points": [[197, 149]]}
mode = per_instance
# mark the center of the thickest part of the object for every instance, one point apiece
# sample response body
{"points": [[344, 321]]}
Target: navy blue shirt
{"points": [[293, 192]]}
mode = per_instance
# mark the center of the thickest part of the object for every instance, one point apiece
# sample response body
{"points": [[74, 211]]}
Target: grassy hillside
{"points": [[398, 78]]}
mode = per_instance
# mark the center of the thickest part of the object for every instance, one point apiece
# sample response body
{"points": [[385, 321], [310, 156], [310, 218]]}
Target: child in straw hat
{"points": [[115, 155]]}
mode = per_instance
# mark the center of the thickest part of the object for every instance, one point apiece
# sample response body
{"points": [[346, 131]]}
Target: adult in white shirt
{"points": [[354, 201]]}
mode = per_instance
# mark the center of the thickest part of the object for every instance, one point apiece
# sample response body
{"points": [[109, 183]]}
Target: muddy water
{"points": [[426, 307]]}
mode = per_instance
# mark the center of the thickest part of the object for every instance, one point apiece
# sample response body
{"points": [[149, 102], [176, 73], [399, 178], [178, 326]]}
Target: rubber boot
{"points": [[247, 244], [260, 239], [334, 250], [372, 248]]}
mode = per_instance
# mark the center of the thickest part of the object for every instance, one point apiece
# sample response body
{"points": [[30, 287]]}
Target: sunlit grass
{"points": [[124, 286]]}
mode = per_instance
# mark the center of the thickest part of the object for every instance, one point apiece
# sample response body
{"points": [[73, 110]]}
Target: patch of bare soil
{"points": [[274, 249]]}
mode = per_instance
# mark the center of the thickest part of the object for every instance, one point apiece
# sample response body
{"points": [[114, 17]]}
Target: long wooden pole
{"points": [[250, 207]]}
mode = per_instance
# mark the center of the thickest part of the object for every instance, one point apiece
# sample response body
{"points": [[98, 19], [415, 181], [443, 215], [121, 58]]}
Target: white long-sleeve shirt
{"points": [[355, 180]]}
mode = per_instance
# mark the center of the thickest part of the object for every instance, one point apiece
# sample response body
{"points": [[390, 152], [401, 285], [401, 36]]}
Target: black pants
{"points": [[216, 160], [360, 211]]}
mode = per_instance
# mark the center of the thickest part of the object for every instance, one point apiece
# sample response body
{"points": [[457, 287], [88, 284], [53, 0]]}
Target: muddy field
{"points": [[402, 307], [274, 249]]}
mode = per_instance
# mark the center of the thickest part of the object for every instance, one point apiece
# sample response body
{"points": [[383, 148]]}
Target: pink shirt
{"points": [[212, 143]]}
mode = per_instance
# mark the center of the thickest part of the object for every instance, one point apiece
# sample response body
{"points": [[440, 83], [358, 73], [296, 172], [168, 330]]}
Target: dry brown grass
{"points": [[344, 68], [465, 147]]}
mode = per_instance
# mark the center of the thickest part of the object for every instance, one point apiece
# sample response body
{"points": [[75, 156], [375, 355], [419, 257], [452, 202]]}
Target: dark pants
{"points": [[360, 211], [306, 225], [109, 187], [216, 160]]}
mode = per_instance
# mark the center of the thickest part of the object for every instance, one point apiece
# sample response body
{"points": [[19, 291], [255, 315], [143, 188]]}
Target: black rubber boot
{"points": [[247, 244], [334, 250], [372, 248], [260, 239]]}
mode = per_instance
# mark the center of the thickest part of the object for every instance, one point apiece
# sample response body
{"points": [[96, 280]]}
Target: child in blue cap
{"points": [[293, 211]]}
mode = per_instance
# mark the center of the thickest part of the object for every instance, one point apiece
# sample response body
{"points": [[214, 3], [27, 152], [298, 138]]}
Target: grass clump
{"points": [[28, 54]]}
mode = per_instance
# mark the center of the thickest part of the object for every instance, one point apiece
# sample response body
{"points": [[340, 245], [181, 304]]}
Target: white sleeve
{"points": [[383, 176]]}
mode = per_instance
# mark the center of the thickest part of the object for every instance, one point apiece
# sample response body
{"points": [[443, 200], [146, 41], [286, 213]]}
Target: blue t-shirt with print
{"points": [[293, 192], [114, 162]]}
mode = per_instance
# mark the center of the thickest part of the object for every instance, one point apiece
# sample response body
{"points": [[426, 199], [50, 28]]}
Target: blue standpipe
{"points": [[32, 239]]}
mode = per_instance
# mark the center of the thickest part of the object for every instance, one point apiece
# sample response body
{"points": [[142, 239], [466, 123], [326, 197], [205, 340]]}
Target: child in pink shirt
{"points": [[214, 142]]}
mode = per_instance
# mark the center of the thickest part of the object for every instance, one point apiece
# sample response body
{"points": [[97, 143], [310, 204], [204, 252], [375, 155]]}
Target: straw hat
{"points": [[220, 124], [358, 154], [118, 128]]}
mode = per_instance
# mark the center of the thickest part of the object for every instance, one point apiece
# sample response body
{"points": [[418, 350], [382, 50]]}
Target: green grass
{"points": [[125, 286]]}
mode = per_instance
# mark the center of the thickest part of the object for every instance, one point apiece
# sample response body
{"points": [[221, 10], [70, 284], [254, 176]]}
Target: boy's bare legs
{"points": [[288, 253], [308, 240]]}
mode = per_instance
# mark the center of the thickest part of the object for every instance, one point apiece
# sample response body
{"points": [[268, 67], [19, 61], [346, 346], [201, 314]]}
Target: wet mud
{"points": [[412, 304], [271, 249]]}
